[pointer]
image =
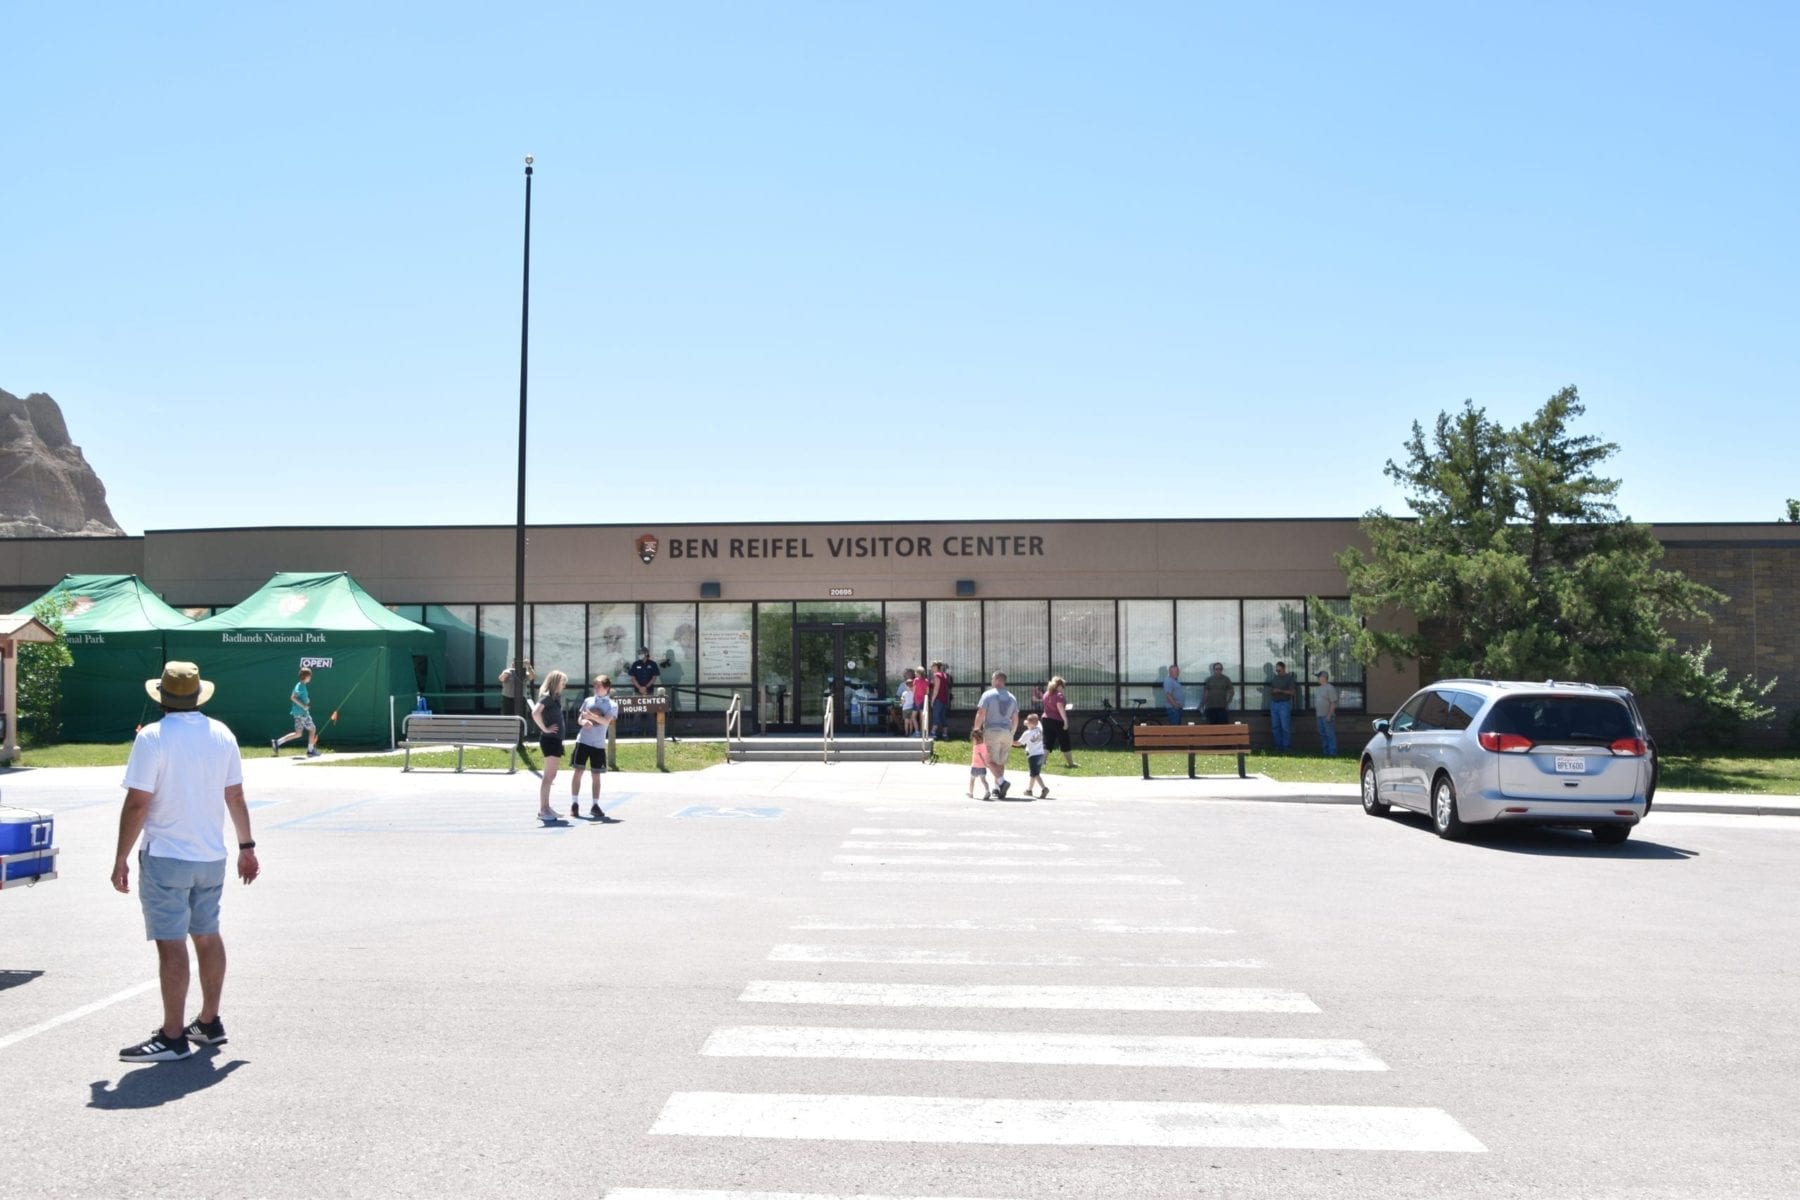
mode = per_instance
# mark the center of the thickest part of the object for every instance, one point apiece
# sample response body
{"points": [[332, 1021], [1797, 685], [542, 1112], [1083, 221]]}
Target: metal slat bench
{"points": [[436, 729], [1191, 740]]}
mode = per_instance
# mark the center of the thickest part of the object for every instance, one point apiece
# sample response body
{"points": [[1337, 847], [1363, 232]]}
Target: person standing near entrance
{"points": [[1325, 702], [547, 715], [1215, 695], [1174, 695], [645, 675], [184, 775], [1056, 719], [940, 701], [597, 712], [903, 696], [996, 724], [300, 708], [1282, 687]]}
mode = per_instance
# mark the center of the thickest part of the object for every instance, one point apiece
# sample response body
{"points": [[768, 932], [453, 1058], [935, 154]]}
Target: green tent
{"points": [[361, 654], [115, 629]]}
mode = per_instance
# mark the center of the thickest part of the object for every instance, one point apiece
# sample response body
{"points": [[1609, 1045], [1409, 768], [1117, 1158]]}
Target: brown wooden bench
{"points": [[1191, 740]]}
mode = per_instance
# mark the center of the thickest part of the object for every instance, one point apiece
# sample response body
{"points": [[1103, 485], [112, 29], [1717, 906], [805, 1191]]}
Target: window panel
{"points": [[851, 612], [670, 632], [1208, 632], [1343, 668], [1084, 642], [1147, 637], [953, 637], [1273, 632], [1017, 633], [559, 640], [496, 625], [774, 663], [904, 648], [457, 623], [612, 639], [725, 646]]}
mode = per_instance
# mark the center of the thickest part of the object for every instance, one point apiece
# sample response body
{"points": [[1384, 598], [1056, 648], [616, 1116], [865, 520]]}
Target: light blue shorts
{"points": [[179, 897]]}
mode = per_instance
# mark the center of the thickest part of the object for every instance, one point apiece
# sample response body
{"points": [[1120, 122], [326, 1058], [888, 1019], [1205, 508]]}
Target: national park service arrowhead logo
{"points": [[646, 548]]}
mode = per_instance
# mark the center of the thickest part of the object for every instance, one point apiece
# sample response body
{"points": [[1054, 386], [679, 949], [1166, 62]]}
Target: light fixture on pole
{"points": [[519, 677]]}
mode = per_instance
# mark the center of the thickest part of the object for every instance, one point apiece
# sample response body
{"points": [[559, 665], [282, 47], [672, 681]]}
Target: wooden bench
{"points": [[1191, 740], [442, 729]]}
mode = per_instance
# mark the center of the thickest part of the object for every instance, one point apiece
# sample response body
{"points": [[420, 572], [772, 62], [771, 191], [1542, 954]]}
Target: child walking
{"points": [[1032, 739], [978, 764]]}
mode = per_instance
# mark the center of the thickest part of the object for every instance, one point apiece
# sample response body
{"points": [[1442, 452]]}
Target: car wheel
{"points": [[1443, 810], [1372, 802], [1611, 835]]}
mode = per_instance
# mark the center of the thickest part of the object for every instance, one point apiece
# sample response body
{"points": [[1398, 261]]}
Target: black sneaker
{"points": [[595, 813], [160, 1047], [1043, 793], [207, 1033], [275, 747], [1000, 788], [575, 809]]}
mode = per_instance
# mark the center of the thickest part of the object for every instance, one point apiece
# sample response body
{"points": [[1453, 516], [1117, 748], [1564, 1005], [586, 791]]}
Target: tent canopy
{"points": [[360, 653], [116, 629], [113, 604]]}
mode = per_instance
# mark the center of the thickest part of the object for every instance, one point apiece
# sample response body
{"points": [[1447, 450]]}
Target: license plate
{"points": [[1570, 765]]}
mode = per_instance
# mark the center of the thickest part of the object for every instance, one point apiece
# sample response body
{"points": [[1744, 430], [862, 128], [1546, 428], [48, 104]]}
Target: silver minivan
{"points": [[1475, 751]]}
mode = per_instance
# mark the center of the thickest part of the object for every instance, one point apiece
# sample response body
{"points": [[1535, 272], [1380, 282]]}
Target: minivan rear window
{"points": [[1562, 719]]}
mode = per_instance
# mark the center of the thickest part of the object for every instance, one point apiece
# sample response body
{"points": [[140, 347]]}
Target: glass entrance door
{"points": [[844, 663]]}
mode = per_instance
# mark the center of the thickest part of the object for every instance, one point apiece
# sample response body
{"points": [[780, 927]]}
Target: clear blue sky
{"points": [[800, 261]]}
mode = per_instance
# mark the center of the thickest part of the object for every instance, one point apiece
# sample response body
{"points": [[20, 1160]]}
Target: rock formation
{"points": [[47, 488]]}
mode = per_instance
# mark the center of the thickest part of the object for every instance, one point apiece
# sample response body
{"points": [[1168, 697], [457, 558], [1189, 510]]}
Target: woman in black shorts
{"points": [[548, 715]]}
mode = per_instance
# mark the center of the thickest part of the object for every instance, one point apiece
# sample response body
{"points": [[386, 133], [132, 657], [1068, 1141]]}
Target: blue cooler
{"points": [[26, 853]]}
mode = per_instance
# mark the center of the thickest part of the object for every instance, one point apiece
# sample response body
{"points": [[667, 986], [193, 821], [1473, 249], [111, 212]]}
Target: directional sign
{"points": [[740, 814]]}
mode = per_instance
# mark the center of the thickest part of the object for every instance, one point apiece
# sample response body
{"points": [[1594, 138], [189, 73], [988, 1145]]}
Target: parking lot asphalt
{"points": [[836, 981]]}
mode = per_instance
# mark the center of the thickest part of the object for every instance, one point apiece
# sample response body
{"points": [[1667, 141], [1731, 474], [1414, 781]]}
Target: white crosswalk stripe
{"points": [[1013, 1122], [992, 877], [922, 956], [1086, 1049], [864, 831], [976, 860], [1025, 995], [1004, 847], [1004, 925]]}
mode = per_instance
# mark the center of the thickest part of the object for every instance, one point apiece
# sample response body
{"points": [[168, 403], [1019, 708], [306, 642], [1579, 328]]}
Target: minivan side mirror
{"points": [[1382, 726]]}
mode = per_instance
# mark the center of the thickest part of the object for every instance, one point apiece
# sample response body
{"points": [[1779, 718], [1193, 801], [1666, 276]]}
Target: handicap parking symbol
{"points": [[741, 814]]}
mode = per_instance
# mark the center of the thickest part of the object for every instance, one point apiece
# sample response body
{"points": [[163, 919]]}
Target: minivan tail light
{"points": [[1634, 747], [1505, 743]]}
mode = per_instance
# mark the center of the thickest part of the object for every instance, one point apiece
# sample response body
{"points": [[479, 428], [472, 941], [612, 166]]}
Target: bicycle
{"points": [[1114, 724]]}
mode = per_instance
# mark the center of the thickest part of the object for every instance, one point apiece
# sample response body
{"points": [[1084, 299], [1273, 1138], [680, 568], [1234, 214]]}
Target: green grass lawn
{"points": [[677, 756]]}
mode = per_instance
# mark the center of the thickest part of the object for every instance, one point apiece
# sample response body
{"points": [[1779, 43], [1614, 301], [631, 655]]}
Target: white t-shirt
{"points": [[595, 735], [185, 761], [1032, 739]]}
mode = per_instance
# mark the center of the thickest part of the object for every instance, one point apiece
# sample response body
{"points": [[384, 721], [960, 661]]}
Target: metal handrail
{"points": [[925, 741], [827, 744], [734, 725]]}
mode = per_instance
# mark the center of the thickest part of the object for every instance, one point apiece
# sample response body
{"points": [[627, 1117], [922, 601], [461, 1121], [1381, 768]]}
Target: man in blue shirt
{"points": [[1174, 695], [1282, 687], [645, 675]]}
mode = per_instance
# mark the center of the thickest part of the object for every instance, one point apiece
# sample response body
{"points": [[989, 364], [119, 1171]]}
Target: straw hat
{"points": [[180, 686]]}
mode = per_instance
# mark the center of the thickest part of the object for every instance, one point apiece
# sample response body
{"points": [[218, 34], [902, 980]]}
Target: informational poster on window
{"points": [[725, 655]]}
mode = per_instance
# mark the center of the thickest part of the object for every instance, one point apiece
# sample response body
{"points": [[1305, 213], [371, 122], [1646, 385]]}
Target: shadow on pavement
{"points": [[163, 1083], [12, 979], [1553, 843]]}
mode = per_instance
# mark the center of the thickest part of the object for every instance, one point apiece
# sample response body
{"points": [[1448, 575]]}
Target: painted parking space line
{"points": [[75, 1014], [1010, 1122], [921, 956], [1011, 877], [1026, 995], [1036, 1048], [738, 813]]}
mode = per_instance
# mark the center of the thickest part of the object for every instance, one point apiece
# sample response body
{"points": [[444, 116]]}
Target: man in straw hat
{"points": [[184, 774]]}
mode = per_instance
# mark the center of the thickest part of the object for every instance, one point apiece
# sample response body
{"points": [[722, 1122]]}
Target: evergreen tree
{"points": [[1518, 565]]}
